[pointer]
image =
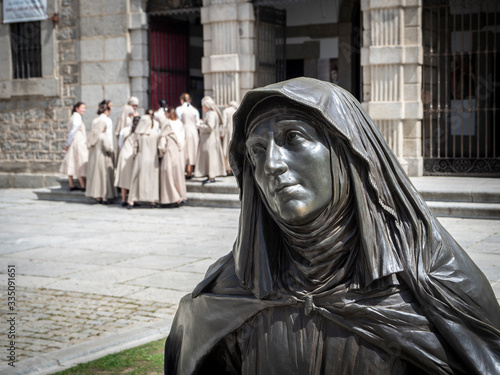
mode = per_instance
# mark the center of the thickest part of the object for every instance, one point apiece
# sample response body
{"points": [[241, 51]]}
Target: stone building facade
{"points": [[384, 51], [90, 50]]}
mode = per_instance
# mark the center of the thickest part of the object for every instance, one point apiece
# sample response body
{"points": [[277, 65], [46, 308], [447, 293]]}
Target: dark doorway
{"points": [[176, 48]]}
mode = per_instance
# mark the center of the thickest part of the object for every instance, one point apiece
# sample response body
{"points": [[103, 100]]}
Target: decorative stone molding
{"points": [[228, 64], [392, 58]]}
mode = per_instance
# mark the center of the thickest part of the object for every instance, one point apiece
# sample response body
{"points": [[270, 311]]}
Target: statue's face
{"points": [[292, 167]]}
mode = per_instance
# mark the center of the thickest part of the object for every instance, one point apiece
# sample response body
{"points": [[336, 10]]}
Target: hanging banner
{"points": [[24, 10]]}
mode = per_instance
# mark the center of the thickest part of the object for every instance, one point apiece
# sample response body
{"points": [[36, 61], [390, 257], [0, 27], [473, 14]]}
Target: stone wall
{"points": [[34, 114], [103, 51]]}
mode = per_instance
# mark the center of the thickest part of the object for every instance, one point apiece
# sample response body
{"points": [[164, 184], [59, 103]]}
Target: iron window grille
{"points": [[26, 49]]}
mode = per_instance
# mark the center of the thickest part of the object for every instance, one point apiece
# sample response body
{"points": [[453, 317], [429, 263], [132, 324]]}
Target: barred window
{"points": [[25, 42]]}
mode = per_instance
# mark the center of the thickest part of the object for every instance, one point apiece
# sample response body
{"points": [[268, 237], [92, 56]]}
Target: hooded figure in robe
{"points": [[145, 180], [172, 182], [210, 159], [227, 130], [339, 266], [100, 172]]}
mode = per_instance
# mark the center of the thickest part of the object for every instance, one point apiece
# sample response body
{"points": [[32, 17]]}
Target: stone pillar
{"points": [[392, 58], [228, 62], [104, 50], [139, 58]]}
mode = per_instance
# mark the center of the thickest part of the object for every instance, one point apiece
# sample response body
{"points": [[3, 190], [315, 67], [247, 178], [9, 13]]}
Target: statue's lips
{"points": [[286, 189]]}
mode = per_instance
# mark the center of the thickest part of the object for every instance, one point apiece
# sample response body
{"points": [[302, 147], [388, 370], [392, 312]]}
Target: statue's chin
{"points": [[296, 213]]}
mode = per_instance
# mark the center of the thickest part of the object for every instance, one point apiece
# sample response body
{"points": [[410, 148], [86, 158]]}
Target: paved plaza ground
{"points": [[93, 279]]}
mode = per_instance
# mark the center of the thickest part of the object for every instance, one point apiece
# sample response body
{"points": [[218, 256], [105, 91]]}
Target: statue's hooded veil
{"points": [[398, 233], [399, 238], [379, 185]]}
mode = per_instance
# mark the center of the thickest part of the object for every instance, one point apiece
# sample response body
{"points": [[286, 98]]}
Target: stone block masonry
{"points": [[33, 127], [86, 56]]}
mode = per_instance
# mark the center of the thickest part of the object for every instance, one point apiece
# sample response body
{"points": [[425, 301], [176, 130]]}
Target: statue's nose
{"points": [[275, 164]]}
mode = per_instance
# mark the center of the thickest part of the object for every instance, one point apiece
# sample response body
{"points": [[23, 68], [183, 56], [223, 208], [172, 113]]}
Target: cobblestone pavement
{"points": [[51, 319], [84, 272]]}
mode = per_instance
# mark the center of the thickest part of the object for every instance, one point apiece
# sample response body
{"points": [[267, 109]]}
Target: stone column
{"points": [[139, 60], [103, 53], [392, 58], [228, 62]]}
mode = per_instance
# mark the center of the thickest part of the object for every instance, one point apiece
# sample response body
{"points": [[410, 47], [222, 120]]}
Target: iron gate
{"points": [[169, 41], [271, 43], [461, 81]]}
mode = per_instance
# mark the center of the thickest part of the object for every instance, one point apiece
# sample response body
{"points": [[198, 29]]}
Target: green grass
{"points": [[143, 360]]}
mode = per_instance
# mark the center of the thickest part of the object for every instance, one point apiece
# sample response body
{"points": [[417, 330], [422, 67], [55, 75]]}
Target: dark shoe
{"points": [[73, 188], [183, 203], [106, 203], [82, 189], [130, 206], [124, 204], [99, 201], [189, 177], [207, 181], [153, 205]]}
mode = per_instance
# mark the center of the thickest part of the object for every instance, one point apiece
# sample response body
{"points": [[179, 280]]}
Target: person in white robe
{"points": [[144, 186], [210, 161], [227, 131], [100, 166], [190, 118], [172, 181], [77, 154], [134, 103], [103, 112], [125, 163], [161, 112], [124, 120]]}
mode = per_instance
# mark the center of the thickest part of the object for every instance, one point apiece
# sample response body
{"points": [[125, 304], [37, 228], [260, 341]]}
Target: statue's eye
{"points": [[292, 136], [255, 150]]}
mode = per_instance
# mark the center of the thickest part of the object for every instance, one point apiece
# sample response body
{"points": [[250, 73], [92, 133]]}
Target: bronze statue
{"points": [[339, 266]]}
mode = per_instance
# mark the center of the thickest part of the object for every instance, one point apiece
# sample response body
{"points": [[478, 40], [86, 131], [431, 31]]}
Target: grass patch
{"points": [[142, 360]]}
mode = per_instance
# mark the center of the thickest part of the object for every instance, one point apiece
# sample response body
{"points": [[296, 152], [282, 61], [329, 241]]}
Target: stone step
{"points": [[458, 189], [465, 209], [457, 198], [213, 200], [461, 196], [223, 185], [58, 193]]}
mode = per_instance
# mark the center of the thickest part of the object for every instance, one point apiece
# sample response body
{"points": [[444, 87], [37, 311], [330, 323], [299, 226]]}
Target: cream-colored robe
{"points": [[145, 183], [100, 170], [125, 164], [77, 156], [210, 161], [190, 116], [172, 181], [227, 132]]}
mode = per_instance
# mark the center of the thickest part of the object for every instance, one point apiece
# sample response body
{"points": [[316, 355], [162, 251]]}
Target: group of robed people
{"points": [[150, 156]]}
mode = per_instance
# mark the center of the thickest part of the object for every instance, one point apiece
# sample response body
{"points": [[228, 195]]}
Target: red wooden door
{"points": [[169, 41]]}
